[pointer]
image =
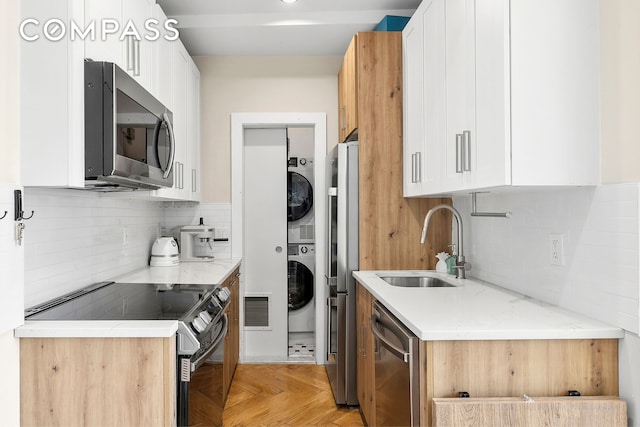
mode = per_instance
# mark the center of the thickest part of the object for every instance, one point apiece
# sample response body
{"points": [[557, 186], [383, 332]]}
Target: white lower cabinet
{"points": [[500, 94]]}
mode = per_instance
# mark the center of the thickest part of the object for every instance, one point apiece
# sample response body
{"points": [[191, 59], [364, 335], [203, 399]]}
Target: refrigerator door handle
{"points": [[331, 199], [332, 302]]}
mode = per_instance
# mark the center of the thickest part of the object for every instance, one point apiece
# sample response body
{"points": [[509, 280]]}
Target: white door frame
{"points": [[318, 121]]}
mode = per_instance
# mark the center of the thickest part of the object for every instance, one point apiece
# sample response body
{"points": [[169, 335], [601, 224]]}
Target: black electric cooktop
{"points": [[123, 301]]}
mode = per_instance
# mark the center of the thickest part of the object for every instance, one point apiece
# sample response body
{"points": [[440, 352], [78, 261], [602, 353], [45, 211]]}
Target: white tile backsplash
{"points": [[600, 225], [77, 238]]}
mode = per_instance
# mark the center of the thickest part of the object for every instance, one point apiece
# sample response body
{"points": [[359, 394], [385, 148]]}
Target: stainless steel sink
{"points": [[416, 282]]}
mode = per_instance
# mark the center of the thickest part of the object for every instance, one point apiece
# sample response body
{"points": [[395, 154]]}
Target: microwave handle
{"points": [[172, 153]]}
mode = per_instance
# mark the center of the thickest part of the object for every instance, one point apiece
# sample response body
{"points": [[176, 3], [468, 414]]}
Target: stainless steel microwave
{"points": [[129, 142]]}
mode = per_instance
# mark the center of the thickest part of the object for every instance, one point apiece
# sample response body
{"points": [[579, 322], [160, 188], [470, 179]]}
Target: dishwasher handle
{"points": [[395, 350]]}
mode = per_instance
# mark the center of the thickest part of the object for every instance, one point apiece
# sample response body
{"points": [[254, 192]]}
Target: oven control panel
{"points": [[196, 327]]}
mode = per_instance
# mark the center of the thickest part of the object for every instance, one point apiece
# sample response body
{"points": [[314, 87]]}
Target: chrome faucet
{"points": [[460, 273]]}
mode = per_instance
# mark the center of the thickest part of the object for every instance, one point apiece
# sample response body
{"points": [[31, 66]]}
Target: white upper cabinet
{"points": [[51, 98], [162, 82], [193, 131], [186, 128], [52, 87], [423, 77], [121, 36], [500, 93]]}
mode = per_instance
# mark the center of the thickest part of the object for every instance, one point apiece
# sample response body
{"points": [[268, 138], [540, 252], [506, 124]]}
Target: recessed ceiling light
{"points": [[288, 1]]}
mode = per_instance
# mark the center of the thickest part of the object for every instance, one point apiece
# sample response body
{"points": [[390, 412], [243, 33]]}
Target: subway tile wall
{"points": [[77, 238], [600, 228]]}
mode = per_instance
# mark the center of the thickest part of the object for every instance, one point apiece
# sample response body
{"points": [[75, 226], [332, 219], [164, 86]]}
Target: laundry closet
{"points": [[279, 245]]}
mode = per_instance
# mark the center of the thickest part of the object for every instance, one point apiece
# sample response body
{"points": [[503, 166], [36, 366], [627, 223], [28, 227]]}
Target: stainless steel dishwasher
{"points": [[397, 370]]}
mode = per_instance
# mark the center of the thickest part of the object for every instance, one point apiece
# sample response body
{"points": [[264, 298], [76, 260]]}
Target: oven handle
{"points": [[200, 360], [396, 351]]}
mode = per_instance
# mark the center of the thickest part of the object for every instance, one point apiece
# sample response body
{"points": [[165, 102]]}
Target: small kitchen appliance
{"points": [[164, 253], [195, 242]]}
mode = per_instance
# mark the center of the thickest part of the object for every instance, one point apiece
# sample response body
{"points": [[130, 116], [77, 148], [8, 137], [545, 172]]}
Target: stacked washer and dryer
{"points": [[301, 256]]}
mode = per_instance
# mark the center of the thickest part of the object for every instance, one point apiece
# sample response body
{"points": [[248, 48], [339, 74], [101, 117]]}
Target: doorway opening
{"points": [[277, 225]]}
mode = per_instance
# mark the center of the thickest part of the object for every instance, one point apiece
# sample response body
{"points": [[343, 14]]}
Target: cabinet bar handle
{"points": [[466, 136], [418, 167], [136, 57], [130, 55], [459, 153], [194, 185], [413, 167]]}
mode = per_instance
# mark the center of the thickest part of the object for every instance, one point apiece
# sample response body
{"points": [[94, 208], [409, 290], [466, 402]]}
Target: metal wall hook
{"points": [[26, 217], [5, 214], [18, 212], [474, 212]]}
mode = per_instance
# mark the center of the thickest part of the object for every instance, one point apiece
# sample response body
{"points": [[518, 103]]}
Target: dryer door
{"points": [[300, 285], [299, 196]]}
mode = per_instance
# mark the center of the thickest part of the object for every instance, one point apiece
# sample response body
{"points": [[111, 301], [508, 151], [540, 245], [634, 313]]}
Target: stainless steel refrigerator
{"points": [[342, 260]]}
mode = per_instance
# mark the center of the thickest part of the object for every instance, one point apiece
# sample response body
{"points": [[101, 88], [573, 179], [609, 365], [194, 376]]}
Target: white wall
{"points": [[11, 257], [258, 85], [620, 89], [601, 274], [77, 238]]}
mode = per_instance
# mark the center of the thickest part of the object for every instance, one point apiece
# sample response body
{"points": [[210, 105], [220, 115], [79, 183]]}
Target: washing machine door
{"points": [[299, 196], [300, 285]]}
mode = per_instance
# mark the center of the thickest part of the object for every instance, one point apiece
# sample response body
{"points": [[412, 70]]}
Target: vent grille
{"points": [[256, 312], [307, 231]]}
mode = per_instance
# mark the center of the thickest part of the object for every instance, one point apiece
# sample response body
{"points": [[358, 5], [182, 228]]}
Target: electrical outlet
{"points": [[556, 249]]}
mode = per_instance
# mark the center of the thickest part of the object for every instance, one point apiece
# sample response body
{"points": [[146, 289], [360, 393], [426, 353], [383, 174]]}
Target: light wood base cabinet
{"points": [[98, 382], [517, 367], [545, 411], [366, 361], [232, 339], [490, 369]]}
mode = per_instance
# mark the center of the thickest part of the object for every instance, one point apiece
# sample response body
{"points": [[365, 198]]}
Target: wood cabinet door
{"points": [[232, 339], [366, 361], [347, 92]]}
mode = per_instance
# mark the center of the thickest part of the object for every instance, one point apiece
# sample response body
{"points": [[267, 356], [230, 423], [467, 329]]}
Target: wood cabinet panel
{"points": [[347, 92], [514, 368], [546, 411], [366, 361], [390, 225], [232, 339], [98, 381]]}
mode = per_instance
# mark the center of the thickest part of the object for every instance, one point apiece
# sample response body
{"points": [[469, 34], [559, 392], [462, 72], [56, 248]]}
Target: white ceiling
{"points": [[271, 27]]}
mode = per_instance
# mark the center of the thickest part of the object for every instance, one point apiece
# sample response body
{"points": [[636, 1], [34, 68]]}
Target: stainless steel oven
{"points": [[200, 310], [397, 370]]}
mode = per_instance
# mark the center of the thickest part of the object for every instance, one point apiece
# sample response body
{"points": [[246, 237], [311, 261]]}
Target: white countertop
{"points": [[197, 273], [200, 273], [474, 310]]}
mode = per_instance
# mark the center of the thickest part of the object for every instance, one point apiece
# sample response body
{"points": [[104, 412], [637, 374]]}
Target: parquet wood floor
{"points": [[284, 395]]}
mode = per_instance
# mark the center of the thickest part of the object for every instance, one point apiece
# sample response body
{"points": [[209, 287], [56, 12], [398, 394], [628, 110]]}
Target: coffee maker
{"points": [[195, 243]]}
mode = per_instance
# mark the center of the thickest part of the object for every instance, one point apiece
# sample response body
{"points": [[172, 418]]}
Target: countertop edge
{"points": [[97, 329]]}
